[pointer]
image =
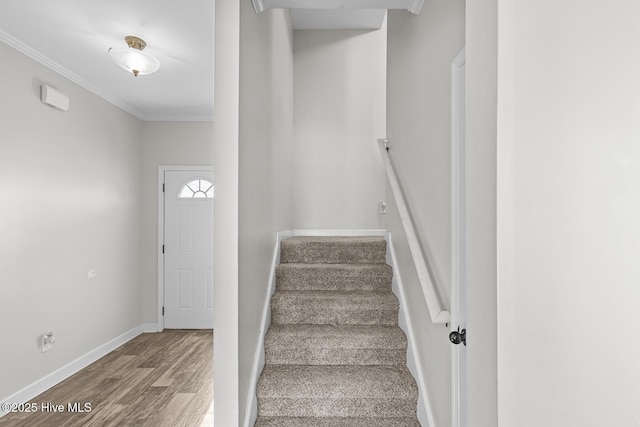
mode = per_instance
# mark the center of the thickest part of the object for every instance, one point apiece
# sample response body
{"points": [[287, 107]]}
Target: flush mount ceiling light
{"points": [[133, 59]]}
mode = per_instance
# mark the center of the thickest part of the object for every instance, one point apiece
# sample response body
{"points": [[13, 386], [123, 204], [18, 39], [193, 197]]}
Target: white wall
{"points": [[225, 229], [421, 49], [254, 134], [265, 166], [420, 52], [71, 191], [340, 98], [568, 209], [165, 144], [481, 63]]}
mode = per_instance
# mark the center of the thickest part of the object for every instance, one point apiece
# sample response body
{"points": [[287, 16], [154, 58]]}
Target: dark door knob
{"points": [[459, 336]]}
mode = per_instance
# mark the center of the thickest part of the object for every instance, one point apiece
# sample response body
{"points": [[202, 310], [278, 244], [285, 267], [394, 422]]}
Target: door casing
{"points": [[458, 241]]}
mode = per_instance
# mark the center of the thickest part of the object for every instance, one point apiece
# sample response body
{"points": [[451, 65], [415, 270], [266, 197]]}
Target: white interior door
{"points": [[188, 249], [458, 242]]}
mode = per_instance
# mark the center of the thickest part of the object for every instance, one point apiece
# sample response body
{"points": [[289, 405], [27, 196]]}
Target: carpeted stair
{"points": [[335, 355]]}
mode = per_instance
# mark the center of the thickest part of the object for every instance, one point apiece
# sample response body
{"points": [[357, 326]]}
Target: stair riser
{"points": [[334, 253], [336, 407], [336, 422], [326, 316], [376, 279], [324, 356]]}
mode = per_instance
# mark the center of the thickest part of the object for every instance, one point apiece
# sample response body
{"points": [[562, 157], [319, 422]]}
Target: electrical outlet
{"points": [[382, 208], [47, 340]]}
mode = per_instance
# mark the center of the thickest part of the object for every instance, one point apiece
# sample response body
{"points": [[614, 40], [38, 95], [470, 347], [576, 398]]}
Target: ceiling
{"points": [[338, 14], [337, 19], [73, 37]]}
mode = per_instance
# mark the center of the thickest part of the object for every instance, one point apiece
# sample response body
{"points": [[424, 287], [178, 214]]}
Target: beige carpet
{"points": [[335, 355]]}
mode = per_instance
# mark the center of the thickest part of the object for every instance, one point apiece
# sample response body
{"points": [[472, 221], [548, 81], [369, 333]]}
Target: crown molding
{"points": [[28, 50]]}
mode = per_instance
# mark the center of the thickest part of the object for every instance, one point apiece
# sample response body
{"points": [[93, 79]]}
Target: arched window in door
{"points": [[196, 189]]}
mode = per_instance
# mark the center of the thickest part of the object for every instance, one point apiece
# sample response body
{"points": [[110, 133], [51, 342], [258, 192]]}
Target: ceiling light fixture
{"points": [[134, 59]]}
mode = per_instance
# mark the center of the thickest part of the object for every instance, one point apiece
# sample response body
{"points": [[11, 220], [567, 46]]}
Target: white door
{"points": [[458, 243], [188, 249]]}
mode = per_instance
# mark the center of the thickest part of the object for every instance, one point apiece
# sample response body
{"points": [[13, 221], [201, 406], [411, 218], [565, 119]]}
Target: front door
{"points": [[188, 249]]}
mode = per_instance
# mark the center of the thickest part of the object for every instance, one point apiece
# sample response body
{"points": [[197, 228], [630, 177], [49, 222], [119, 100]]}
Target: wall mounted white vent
{"points": [[54, 97]]}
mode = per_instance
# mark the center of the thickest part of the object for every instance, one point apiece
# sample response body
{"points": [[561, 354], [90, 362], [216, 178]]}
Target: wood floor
{"points": [[162, 379]]}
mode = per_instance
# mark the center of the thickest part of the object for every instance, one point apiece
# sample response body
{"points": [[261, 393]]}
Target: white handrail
{"points": [[438, 314]]}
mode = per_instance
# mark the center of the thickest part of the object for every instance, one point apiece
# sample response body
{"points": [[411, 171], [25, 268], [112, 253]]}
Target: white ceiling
{"points": [[73, 37], [337, 19]]}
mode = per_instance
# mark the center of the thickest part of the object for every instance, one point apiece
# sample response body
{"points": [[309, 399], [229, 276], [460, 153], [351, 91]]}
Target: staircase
{"points": [[335, 355]]}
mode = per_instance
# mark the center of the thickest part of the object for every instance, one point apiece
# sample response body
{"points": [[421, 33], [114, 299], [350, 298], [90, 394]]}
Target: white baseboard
{"points": [[59, 375], [425, 409]]}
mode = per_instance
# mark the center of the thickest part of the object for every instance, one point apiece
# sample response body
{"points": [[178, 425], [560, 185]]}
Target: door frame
{"points": [[458, 236], [160, 240]]}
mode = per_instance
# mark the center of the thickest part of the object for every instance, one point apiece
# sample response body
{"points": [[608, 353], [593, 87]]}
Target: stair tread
{"points": [[337, 382], [381, 271], [336, 422], [333, 266], [341, 249], [335, 296], [365, 277], [329, 336]]}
